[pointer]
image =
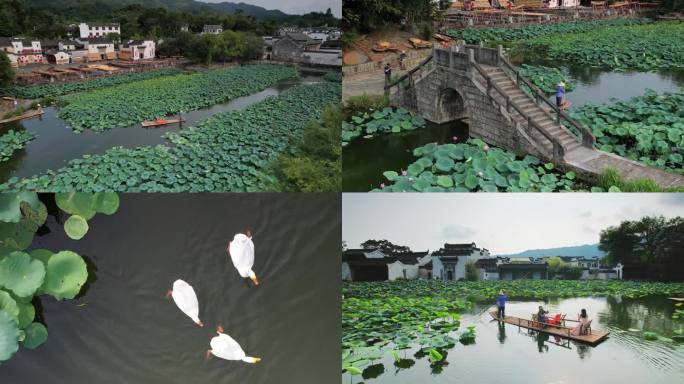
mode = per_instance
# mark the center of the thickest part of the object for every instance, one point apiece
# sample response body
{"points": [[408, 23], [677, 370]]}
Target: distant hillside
{"points": [[190, 6], [588, 250]]}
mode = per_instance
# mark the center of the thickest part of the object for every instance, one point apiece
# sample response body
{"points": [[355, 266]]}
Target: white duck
{"points": [[225, 347], [241, 250], [185, 298]]}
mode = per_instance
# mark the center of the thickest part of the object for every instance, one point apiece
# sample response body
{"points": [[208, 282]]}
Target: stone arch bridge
{"points": [[506, 110]]}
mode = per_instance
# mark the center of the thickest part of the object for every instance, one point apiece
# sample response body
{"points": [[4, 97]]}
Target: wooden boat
{"points": [[418, 43], [158, 122], [26, 115], [676, 298], [593, 337]]}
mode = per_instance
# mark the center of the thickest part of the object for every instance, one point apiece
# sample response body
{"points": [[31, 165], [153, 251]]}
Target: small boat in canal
{"points": [[24, 116], [158, 122], [593, 336]]}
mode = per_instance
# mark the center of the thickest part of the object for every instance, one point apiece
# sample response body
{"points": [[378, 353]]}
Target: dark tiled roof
{"points": [[98, 24], [456, 250], [523, 266], [100, 40], [332, 44], [299, 37]]}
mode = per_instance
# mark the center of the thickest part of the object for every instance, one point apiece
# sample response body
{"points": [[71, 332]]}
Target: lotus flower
{"points": [[382, 185], [404, 173]]}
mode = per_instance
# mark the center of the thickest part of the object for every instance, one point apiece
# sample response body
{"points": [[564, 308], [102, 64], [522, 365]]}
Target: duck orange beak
{"points": [[208, 354], [219, 329], [257, 359], [254, 279], [200, 323], [169, 293]]}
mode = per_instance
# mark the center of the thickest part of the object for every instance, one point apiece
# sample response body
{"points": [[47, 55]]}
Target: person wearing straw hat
{"points": [[501, 305], [560, 93]]}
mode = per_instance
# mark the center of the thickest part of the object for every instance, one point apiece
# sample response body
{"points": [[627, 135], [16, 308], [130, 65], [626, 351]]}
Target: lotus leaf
{"points": [[9, 306], [388, 120], [76, 227], [66, 274], [20, 274], [26, 314], [36, 335], [9, 336]]}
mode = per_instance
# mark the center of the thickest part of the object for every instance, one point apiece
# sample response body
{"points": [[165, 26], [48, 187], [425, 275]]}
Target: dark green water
{"points": [[364, 160], [121, 328], [504, 353], [55, 143]]}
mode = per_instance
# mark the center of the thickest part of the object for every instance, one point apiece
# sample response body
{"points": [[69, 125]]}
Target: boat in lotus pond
{"points": [[593, 336], [158, 122]]}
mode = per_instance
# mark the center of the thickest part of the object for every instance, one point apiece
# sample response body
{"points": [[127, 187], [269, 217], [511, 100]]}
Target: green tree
{"points": [[254, 47], [385, 246], [315, 164], [652, 246], [6, 70]]}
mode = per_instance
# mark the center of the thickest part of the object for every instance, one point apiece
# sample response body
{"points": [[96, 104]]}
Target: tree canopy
{"points": [[385, 246], [6, 70], [653, 245], [210, 48], [368, 15], [51, 19]]}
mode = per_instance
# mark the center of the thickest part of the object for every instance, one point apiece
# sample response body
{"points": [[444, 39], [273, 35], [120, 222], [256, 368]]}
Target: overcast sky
{"points": [[504, 223], [295, 7]]}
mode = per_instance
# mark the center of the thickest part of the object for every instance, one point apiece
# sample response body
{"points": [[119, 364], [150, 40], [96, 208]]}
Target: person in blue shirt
{"points": [[501, 304], [560, 93]]}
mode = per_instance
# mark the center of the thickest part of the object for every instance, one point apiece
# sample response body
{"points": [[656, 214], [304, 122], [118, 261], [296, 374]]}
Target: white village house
{"points": [[99, 49], [22, 51], [212, 29], [448, 263], [137, 50], [91, 30], [375, 265]]}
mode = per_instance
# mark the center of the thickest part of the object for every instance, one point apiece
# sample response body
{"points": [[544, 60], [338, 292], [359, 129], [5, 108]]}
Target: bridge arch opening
{"points": [[450, 105]]}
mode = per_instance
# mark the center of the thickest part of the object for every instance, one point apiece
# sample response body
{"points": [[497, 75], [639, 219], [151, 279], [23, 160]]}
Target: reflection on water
{"points": [[511, 354], [364, 160], [55, 143]]}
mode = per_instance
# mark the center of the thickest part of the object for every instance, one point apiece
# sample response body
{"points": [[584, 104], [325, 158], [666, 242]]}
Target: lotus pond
{"points": [[132, 258], [55, 144], [131, 103], [390, 330], [226, 152]]}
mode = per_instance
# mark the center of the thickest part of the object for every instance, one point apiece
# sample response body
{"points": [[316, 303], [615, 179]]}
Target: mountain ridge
{"points": [[587, 250]]}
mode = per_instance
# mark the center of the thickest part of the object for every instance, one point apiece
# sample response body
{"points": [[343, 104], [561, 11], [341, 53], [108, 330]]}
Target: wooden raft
{"points": [[593, 338], [26, 115]]}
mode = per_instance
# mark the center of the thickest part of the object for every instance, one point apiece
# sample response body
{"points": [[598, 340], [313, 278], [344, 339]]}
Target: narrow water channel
{"points": [[55, 143]]}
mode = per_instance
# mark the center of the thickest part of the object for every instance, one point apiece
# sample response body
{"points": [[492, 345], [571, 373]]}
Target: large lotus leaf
{"points": [[18, 236], [10, 205], [9, 336], [470, 182], [76, 227], [9, 306], [77, 203], [36, 335], [420, 184], [107, 202], [415, 169], [26, 314], [21, 274], [445, 181], [66, 274], [445, 164], [41, 254]]}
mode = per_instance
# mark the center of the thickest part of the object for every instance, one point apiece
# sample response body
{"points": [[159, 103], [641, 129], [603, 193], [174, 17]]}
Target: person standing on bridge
{"points": [[501, 305], [560, 94], [388, 74]]}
